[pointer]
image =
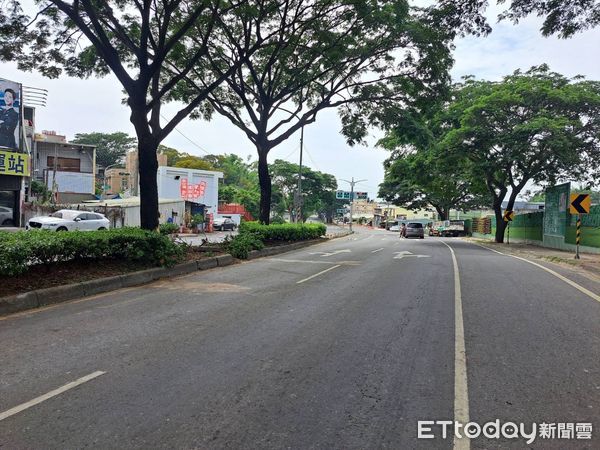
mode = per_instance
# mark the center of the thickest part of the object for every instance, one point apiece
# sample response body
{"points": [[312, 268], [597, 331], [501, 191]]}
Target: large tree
{"points": [[150, 46], [351, 55], [533, 127], [564, 18], [430, 177], [110, 147], [317, 188]]}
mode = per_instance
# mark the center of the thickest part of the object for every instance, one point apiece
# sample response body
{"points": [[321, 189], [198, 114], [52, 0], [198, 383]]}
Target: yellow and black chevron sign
{"points": [[508, 216], [580, 204]]}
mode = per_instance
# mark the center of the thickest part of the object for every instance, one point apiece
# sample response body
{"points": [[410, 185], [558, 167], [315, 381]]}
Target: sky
{"points": [[80, 106]]}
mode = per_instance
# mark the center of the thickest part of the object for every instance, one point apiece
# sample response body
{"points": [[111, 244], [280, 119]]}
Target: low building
{"points": [[199, 187], [387, 213], [125, 212], [67, 169], [116, 181]]}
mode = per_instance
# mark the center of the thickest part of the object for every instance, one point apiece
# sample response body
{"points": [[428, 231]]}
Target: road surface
{"points": [[347, 344]]}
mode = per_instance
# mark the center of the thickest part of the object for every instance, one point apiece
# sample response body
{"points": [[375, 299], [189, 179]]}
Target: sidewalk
{"points": [[588, 262]]}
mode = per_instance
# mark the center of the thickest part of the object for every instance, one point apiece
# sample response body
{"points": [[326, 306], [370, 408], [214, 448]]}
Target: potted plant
{"points": [[197, 222]]}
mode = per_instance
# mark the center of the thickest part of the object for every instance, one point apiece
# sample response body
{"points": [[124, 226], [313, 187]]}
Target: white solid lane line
{"points": [[556, 274], [378, 250], [320, 273], [461, 390], [54, 393]]}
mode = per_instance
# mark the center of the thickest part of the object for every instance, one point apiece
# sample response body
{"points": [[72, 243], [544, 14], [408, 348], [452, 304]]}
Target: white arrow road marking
{"points": [[54, 393], [407, 254], [378, 250], [323, 254]]}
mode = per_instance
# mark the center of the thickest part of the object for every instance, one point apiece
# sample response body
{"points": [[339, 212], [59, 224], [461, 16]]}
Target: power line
{"points": [[311, 159], [194, 143]]}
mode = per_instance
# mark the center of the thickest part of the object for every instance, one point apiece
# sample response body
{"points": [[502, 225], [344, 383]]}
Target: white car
{"points": [[6, 217], [69, 220]]}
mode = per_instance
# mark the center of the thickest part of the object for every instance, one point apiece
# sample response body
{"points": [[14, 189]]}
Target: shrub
{"points": [[242, 244], [168, 228], [19, 251], [284, 232]]}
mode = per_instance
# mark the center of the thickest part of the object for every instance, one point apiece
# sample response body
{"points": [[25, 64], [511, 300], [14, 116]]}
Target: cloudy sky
{"points": [[78, 106]]}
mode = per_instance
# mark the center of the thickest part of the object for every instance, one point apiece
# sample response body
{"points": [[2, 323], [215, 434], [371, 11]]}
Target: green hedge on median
{"points": [[253, 235], [284, 231], [22, 250]]}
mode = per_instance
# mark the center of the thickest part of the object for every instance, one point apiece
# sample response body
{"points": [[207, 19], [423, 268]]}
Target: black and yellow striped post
{"points": [[578, 236]]}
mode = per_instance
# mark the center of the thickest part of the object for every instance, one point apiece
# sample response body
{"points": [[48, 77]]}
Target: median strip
{"points": [[49, 395]]}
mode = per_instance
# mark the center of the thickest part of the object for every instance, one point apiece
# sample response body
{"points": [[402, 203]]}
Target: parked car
{"points": [[395, 226], [415, 229], [69, 220], [224, 224], [6, 217]]}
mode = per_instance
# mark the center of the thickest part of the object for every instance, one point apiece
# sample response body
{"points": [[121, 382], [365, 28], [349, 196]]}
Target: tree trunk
{"points": [[264, 180], [500, 223], [442, 212], [147, 166]]}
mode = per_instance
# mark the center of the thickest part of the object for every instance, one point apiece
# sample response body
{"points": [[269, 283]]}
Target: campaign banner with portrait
{"points": [[10, 115]]}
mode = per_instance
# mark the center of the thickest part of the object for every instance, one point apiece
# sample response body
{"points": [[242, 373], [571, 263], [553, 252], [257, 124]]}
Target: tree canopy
{"points": [[532, 127], [564, 18], [318, 189], [354, 56], [151, 47], [110, 147], [430, 177]]}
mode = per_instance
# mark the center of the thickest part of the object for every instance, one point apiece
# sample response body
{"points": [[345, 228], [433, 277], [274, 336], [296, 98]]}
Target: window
{"points": [[415, 225], [65, 164]]}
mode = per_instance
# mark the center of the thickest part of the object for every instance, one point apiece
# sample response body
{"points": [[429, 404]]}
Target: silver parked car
{"points": [[415, 229], [69, 220]]}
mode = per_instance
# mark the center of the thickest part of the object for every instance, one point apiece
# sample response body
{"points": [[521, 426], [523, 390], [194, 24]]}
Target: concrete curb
{"points": [[58, 294]]}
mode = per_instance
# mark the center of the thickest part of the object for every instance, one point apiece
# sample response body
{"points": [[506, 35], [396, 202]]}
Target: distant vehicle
{"points": [[224, 224], [436, 228], [6, 217], [69, 220], [448, 228], [395, 227], [415, 229]]}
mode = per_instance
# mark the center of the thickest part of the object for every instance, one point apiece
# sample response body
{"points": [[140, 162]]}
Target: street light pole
{"points": [[352, 183], [299, 205], [298, 194]]}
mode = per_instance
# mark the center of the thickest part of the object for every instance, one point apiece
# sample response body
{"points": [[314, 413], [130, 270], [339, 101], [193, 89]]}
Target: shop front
{"points": [[14, 164], [13, 167]]}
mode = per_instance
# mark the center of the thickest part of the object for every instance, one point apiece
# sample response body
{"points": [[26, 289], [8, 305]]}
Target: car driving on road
{"points": [[415, 229], [69, 220]]}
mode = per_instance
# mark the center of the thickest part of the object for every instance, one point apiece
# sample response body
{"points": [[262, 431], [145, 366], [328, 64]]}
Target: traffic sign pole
{"points": [[578, 236], [508, 233]]}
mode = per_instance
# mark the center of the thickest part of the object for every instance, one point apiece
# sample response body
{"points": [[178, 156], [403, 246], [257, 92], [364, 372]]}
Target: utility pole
{"points": [[299, 193], [352, 183]]}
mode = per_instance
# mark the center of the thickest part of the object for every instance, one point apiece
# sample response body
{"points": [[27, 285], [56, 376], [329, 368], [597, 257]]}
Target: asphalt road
{"points": [[347, 344]]}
